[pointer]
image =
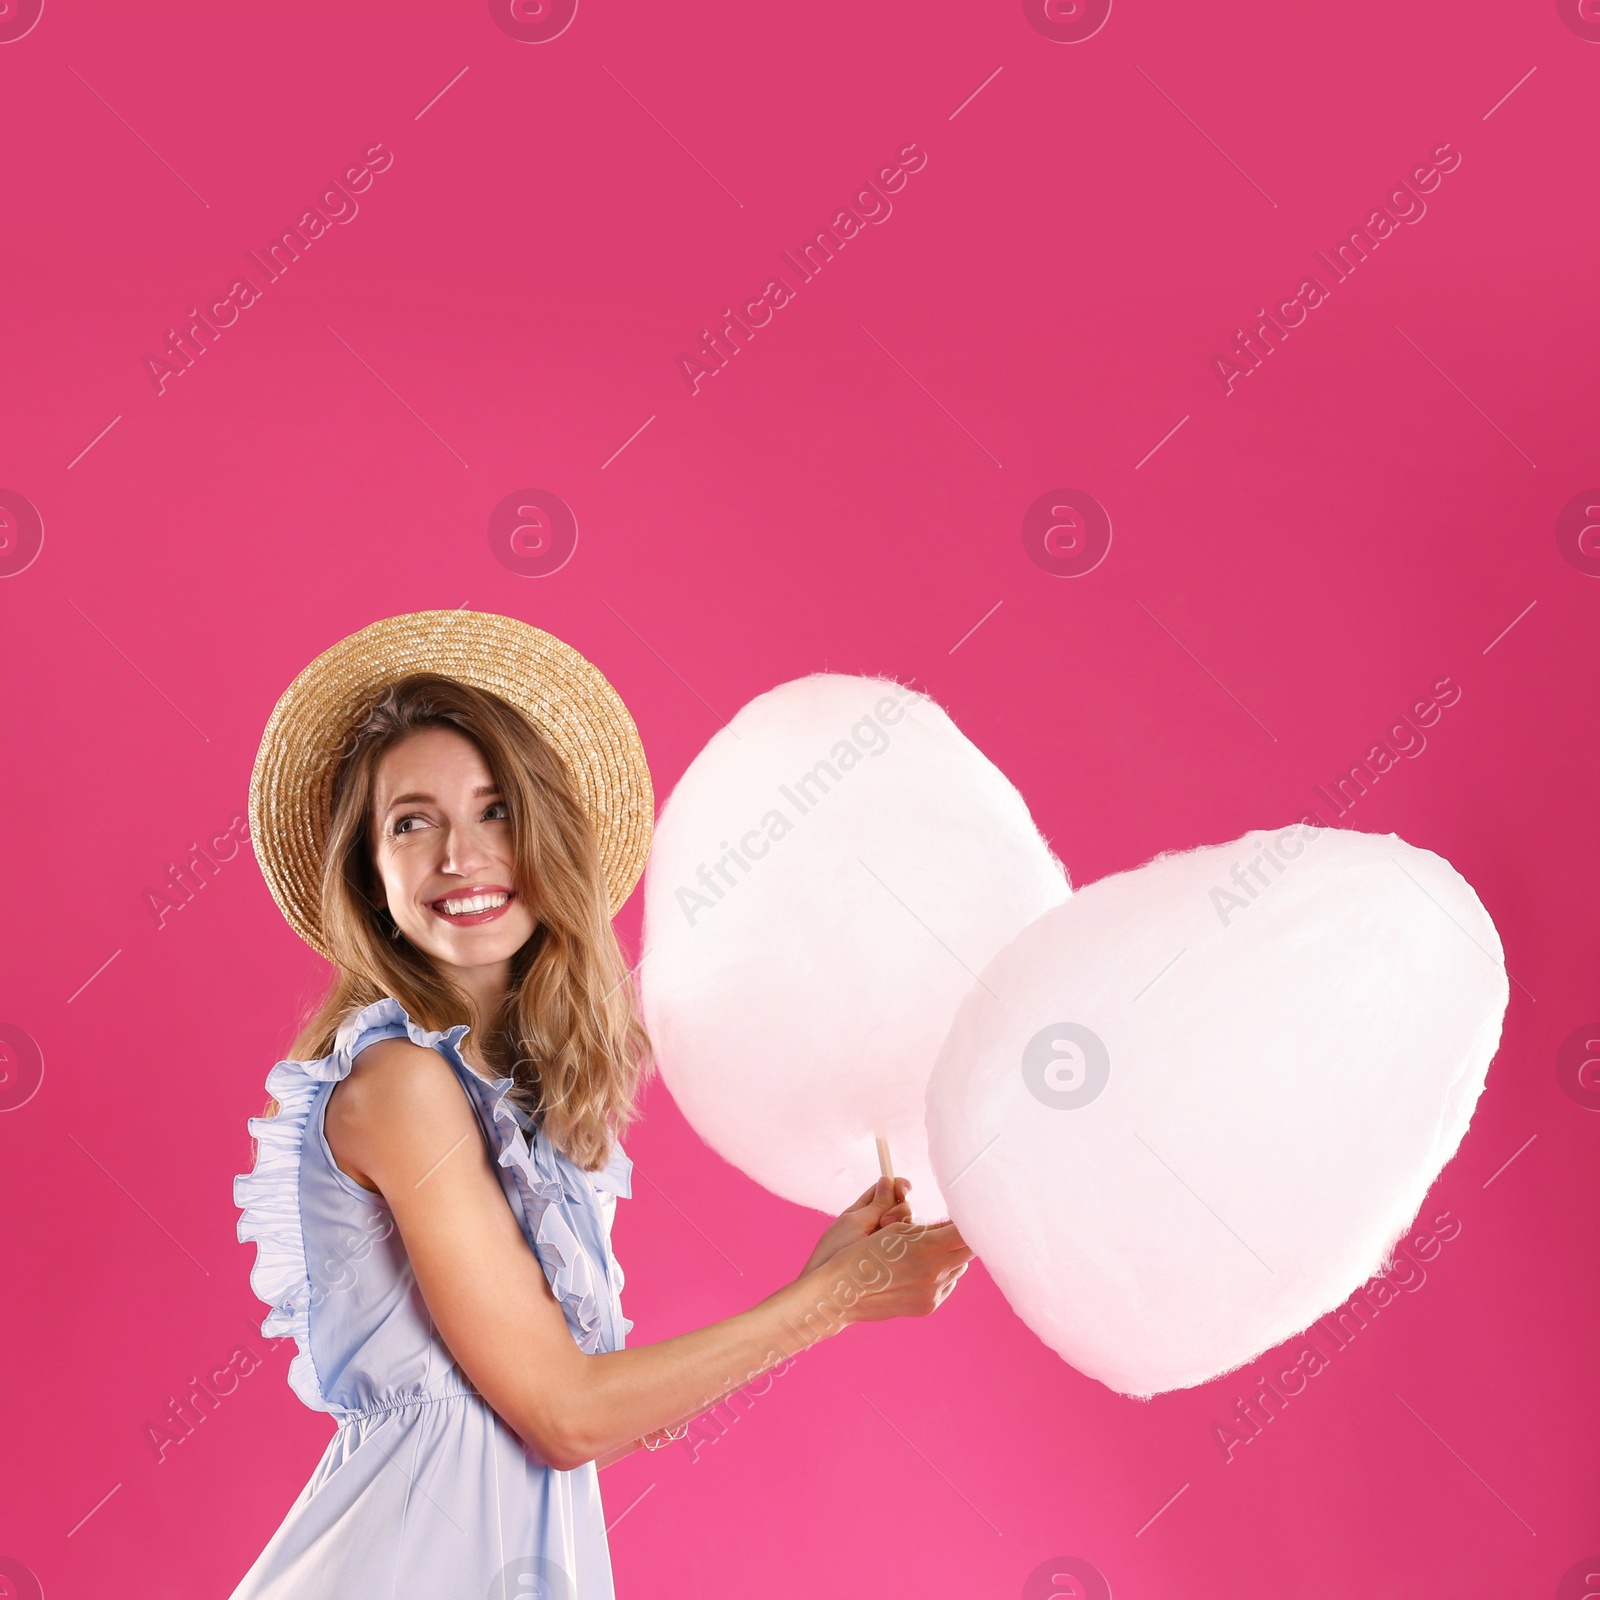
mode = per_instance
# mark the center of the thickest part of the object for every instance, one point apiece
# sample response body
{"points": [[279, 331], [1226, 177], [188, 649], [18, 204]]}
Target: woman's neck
{"points": [[485, 989]]}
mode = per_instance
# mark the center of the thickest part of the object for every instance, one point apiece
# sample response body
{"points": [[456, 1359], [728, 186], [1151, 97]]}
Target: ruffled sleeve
{"points": [[567, 1225], [268, 1196], [558, 1204]]}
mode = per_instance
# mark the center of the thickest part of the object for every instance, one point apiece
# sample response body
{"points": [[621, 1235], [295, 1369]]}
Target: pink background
{"points": [[1289, 571]]}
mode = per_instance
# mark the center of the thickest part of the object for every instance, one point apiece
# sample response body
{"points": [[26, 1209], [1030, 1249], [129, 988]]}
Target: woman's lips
{"points": [[471, 919]]}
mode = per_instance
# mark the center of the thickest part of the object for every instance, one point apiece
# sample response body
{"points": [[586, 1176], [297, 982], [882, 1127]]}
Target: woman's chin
{"points": [[486, 945]]}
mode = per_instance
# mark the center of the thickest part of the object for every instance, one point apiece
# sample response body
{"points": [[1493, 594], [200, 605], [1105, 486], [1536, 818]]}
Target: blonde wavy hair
{"points": [[568, 1032]]}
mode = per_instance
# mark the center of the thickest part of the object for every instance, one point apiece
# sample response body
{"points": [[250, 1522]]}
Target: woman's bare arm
{"points": [[400, 1124]]}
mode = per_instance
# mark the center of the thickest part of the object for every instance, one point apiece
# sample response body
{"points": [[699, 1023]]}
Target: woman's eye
{"points": [[500, 811], [400, 823]]}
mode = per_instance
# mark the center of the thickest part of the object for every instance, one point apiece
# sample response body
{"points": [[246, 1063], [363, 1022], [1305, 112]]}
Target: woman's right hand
{"points": [[904, 1269], [878, 1204]]}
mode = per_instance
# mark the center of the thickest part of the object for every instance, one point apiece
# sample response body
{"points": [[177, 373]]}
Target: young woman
{"points": [[450, 806]]}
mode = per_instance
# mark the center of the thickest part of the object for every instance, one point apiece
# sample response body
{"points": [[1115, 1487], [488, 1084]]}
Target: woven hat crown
{"points": [[565, 697]]}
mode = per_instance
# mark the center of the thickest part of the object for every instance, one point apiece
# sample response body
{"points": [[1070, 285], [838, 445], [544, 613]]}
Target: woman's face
{"points": [[442, 849]]}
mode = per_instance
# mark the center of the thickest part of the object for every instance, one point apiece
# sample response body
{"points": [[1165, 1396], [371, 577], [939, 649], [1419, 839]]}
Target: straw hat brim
{"points": [[565, 697]]}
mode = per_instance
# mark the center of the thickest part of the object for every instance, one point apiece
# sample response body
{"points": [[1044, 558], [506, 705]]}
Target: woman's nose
{"points": [[466, 852]]}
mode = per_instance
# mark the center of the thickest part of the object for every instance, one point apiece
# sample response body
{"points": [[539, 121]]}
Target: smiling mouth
{"points": [[467, 908]]}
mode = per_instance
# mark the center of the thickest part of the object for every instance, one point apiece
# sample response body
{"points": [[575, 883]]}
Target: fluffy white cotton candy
{"points": [[825, 882], [1205, 1099]]}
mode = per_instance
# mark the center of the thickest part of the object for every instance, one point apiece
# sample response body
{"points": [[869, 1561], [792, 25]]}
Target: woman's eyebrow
{"points": [[428, 799]]}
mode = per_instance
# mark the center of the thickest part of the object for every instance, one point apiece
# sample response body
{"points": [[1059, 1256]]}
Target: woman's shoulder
{"points": [[396, 1084], [381, 1057]]}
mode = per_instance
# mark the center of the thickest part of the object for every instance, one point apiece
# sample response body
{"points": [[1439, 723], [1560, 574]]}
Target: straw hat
{"points": [[566, 698]]}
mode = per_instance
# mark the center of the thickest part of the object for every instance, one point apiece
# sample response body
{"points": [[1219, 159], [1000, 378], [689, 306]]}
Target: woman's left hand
{"points": [[873, 1209]]}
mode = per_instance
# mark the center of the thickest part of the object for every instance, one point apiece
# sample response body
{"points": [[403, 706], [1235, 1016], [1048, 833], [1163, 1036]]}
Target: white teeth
{"points": [[477, 902]]}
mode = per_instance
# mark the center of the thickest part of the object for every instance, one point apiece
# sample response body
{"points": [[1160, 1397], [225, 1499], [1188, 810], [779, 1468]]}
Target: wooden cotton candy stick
{"points": [[885, 1164]]}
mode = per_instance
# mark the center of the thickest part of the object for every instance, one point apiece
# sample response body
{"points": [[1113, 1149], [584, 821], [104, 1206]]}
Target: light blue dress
{"points": [[423, 1492]]}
